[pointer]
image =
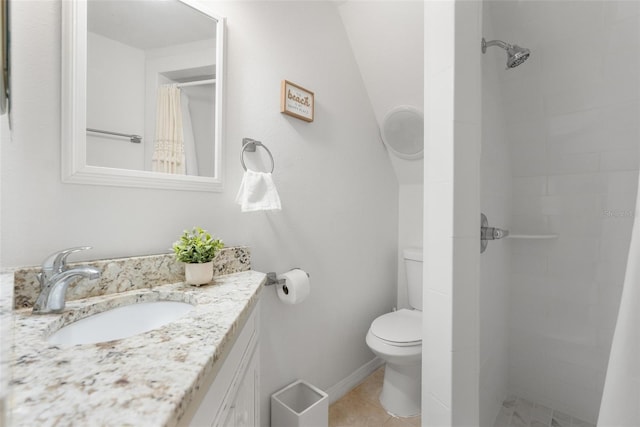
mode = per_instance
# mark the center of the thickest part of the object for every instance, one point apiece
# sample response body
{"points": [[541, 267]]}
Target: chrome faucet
{"points": [[56, 277]]}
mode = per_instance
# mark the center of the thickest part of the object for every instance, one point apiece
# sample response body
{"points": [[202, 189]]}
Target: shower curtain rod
{"points": [[137, 139], [197, 83]]}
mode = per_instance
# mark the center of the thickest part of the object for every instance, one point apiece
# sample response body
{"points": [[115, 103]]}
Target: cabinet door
{"points": [[245, 404], [235, 387], [231, 418]]}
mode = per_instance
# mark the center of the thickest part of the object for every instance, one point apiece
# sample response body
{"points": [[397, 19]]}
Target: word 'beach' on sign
{"points": [[296, 101]]}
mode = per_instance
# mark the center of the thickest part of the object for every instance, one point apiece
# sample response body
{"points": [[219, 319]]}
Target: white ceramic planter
{"points": [[198, 274]]}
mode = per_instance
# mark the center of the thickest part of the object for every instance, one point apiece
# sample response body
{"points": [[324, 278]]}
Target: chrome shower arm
{"points": [[486, 44]]}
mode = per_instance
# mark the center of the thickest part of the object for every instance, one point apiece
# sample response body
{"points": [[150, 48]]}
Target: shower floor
{"points": [[518, 412]]}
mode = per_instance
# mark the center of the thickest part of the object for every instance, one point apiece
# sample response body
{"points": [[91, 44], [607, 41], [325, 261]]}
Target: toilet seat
{"points": [[400, 328]]}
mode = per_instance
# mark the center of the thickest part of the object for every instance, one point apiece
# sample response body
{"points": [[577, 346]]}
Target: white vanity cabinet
{"points": [[232, 400], [244, 410]]}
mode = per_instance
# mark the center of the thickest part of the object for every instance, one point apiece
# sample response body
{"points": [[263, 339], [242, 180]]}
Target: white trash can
{"points": [[300, 405]]}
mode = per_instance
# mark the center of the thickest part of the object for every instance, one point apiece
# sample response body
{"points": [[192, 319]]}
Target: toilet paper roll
{"points": [[296, 287]]}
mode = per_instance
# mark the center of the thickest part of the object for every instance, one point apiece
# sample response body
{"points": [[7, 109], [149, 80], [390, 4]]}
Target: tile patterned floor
{"points": [[361, 407], [518, 412]]}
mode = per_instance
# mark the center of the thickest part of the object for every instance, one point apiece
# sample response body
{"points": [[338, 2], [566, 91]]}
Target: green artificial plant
{"points": [[196, 246]]}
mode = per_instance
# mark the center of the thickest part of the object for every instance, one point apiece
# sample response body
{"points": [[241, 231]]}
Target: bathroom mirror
{"points": [[403, 132], [142, 94]]}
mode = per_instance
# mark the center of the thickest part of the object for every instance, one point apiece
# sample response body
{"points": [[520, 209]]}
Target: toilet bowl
{"points": [[396, 338]]}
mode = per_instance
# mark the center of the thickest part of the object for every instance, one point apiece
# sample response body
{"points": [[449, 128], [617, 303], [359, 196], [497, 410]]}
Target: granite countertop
{"points": [[144, 380]]}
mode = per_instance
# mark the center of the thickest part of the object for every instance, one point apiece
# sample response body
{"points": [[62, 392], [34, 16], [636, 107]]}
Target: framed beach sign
{"points": [[296, 101]]}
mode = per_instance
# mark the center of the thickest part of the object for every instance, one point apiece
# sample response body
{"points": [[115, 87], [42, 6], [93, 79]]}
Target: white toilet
{"points": [[396, 338]]}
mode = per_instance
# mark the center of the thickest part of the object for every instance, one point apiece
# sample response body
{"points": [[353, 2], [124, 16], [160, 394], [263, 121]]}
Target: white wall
{"points": [[115, 102], [338, 189], [495, 262], [387, 39], [572, 112]]}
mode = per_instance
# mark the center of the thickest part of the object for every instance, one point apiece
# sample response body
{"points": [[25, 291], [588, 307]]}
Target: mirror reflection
{"points": [[151, 87]]}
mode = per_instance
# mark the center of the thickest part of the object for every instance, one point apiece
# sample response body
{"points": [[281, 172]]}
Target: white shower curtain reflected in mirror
{"points": [[169, 149], [620, 405], [191, 162]]}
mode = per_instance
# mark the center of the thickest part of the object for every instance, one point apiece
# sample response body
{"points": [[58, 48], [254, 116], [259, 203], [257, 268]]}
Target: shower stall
{"points": [[559, 170]]}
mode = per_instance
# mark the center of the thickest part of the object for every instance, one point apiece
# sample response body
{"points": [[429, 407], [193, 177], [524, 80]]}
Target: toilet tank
{"points": [[413, 268]]}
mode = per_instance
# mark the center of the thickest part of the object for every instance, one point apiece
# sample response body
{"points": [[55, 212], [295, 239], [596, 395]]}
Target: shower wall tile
{"points": [[466, 380], [622, 37], [615, 237], [621, 85], [439, 329], [622, 182], [525, 130], [622, 10], [466, 198], [526, 204], [533, 109], [528, 158], [527, 314], [575, 173], [439, 220], [584, 141], [581, 204], [611, 268], [572, 98], [606, 327], [578, 246], [528, 264], [513, 90], [525, 248], [577, 184], [621, 116], [439, 163], [571, 123], [575, 400], [580, 353], [530, 223], [558, 164], [577, 69], [530, 185], [572, 266], [575, 225], [496, 186], [551, 205], [533, 287], [574, 289], [619, 160], [573, 204]]}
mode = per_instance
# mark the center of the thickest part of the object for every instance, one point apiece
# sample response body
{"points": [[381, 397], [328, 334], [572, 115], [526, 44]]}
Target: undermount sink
{"points": [[120, 322]]}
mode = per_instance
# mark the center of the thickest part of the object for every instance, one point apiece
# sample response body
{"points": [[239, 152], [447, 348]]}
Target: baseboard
{"points": [[343, 386]]}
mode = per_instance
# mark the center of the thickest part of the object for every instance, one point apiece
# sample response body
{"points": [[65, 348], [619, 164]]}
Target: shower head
{"points": [[516, 55]]}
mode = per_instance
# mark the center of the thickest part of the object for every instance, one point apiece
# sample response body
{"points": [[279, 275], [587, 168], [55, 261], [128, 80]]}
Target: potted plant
{"points": [[196, 248]]}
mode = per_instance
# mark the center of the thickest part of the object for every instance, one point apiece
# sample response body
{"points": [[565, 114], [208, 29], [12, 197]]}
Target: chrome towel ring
{"points": [[249, 145]]}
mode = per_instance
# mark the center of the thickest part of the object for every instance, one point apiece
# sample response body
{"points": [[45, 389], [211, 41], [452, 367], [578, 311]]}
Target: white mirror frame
{"points": [[75, 169]]}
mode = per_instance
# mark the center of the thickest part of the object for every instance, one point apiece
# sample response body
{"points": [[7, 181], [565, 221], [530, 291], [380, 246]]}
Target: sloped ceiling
{"points": [[387, 39]]}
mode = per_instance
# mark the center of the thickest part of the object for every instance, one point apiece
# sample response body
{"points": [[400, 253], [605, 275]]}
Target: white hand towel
{"points": [[257, 192]]}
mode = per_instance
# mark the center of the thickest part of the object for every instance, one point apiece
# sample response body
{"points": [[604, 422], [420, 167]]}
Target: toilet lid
{"points": [[402, 326]]}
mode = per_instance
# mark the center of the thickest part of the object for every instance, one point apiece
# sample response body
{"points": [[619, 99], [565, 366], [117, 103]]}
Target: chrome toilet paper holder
{"points": [[272, 279]]}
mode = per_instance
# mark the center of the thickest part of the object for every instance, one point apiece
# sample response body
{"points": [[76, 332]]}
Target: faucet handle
{"points": [[55, 262]]}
